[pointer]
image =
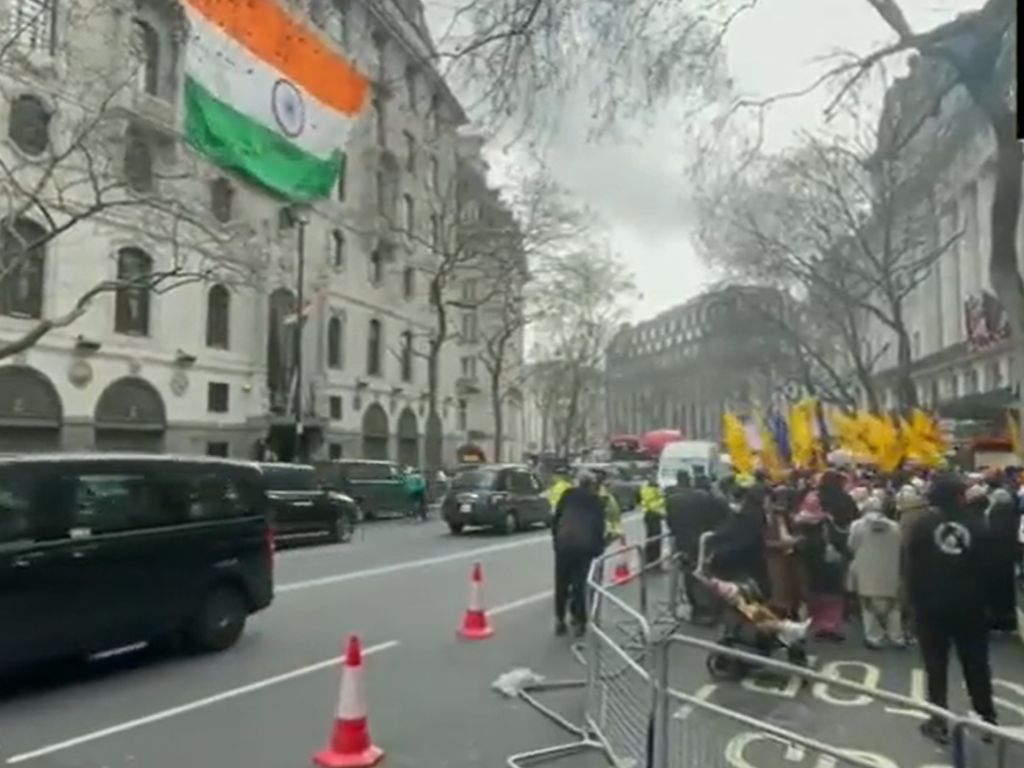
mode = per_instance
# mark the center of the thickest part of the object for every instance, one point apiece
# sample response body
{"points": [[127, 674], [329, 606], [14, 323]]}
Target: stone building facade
{"points": [[961, 356], [682, 368], [207, 366], [489, 328]]}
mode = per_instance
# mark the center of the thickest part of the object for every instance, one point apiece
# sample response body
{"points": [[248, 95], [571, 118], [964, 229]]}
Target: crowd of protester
{"points": [[916, 557]]}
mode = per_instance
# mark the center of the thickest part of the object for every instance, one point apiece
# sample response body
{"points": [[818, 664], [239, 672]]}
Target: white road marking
{"points": [[703, 694], [521, 602], [191, 706], [453, 557], [408, 565]]}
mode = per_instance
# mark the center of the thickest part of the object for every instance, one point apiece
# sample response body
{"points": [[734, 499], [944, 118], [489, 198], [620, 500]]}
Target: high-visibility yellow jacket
{"points": [[612, 514], [559, 487], [652, 501]]}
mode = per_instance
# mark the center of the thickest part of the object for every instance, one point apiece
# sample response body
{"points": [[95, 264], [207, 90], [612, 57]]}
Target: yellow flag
{"points": [[925, 443], [801, 434], [769, 452], [735, 441], [884, 442]]}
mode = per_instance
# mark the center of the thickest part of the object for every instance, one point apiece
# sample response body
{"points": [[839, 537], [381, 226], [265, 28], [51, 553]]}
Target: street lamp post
{"points": [[300, 221]]}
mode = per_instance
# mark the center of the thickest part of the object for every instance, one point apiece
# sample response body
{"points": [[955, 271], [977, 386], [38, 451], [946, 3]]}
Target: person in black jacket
{"points": [[946, 559], [578, 537], [691, 512], [737, 548]]}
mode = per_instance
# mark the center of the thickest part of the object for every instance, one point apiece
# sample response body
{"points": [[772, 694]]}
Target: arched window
{"points": [[147, 43], [22, 266], [28, 124], [407, 356], [131, 300], [218, 318], [373, 349], [334, 342]]}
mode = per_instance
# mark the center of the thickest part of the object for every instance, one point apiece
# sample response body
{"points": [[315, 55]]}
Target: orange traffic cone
{"points": [[622, 572], [350, 745], [475, 625]]}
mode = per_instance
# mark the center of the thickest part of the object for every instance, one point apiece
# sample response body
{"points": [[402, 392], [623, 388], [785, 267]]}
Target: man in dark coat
{"points": [[1004, 553], [692, 512], [578, 536], [946, 559]]}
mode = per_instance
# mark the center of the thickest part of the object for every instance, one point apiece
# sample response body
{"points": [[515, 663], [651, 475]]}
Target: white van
{"points": [[688, 455]]}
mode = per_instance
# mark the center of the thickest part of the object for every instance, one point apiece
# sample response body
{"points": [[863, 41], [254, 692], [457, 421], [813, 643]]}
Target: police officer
{"points": [[652, 502], [578, 533], [559, 485], [946, 580], [614, 530]]}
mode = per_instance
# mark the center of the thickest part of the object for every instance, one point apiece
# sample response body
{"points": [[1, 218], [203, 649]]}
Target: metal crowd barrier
{"points": [[637, 717]]}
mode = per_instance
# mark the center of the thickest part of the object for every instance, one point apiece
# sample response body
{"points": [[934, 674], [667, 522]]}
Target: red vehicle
{"points": [[653, 442]]}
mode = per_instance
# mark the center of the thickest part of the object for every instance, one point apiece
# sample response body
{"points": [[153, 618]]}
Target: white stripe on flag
{"points": [[235, 76]]}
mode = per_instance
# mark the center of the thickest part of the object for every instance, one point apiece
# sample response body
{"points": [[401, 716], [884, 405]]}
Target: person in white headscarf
{"points": [[876, 547]]}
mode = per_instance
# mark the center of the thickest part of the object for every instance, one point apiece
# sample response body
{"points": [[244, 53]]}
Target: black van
{"points": [[103, 550]]}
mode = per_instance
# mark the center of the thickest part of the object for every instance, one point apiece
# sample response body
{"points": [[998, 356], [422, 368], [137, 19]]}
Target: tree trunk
{"points": [[499, 420], [906, 391], [434, 440], [570, 411]]}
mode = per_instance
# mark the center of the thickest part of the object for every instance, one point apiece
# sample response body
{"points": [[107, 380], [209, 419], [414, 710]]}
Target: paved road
{"points": [[268, 702]]}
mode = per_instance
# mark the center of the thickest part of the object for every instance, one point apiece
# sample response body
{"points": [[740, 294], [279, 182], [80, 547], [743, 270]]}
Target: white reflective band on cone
{"points": [[352, 701], [476, 600]]}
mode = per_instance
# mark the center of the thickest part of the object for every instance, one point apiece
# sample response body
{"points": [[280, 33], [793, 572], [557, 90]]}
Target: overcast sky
{"points": [[639, 187]]}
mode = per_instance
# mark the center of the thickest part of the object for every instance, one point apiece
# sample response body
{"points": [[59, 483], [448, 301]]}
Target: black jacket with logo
{"points": [[946, 555]]}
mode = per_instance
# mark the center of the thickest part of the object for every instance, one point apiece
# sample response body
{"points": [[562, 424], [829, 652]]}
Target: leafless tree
{"points": [[503, 322], [522, 57], [84, 163], [582, 295], [465, 245], [836, 217], [522, 50]]}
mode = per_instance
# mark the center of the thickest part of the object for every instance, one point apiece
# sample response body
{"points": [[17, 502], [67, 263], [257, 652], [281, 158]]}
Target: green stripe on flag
{"points": [[234, 141]]}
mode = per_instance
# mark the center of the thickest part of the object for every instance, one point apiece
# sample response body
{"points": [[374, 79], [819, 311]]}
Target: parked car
{"points": [[378, 487], [301, 504], [101, 551], [505, 496]]}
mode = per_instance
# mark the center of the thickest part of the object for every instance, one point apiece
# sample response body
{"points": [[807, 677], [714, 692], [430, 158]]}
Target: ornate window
{"points": [[409, 283], [148, 50], [138, 160], [29, 124], [335, 342], [31, 25], [22, 268], [222, 199], [338, 249], [407, 356], [218, 318], [131, 300], [373, 349]]}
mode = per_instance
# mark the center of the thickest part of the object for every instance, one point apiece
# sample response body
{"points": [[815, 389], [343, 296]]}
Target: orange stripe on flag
{"points": [[285, 43]]}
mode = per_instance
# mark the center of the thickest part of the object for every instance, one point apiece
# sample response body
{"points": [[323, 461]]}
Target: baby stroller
{"points": [[747, 624]]}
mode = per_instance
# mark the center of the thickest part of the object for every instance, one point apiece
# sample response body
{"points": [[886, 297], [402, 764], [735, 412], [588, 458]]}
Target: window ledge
{"points": [[152, 111], [41, 64]]}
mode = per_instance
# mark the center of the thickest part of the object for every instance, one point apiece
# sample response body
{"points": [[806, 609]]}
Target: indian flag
{"points": [[266, 97]]}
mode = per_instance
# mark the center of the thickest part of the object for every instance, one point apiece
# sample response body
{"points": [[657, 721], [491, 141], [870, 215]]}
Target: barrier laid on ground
{"points": [[638, 716]]}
